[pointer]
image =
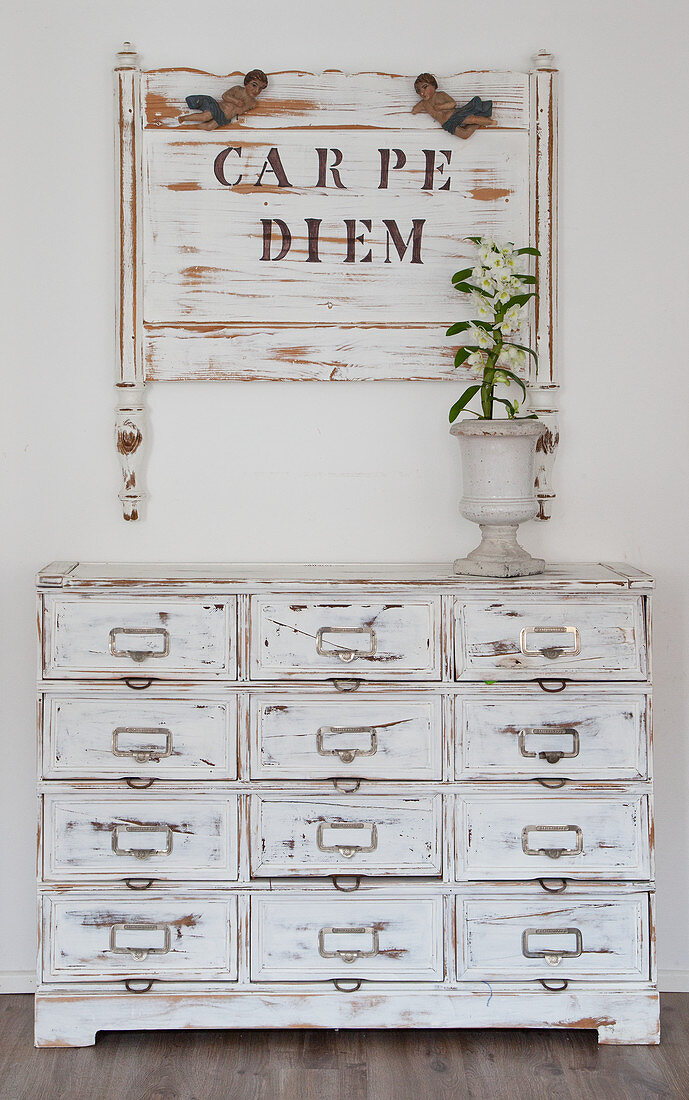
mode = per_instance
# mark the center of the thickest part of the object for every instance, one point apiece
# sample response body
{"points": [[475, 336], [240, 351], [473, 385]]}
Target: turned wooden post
{"points": [[544, 382], [130, 424]]}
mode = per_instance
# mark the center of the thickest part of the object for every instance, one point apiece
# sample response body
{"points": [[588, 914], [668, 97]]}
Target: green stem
{"points": [[488, 384]]}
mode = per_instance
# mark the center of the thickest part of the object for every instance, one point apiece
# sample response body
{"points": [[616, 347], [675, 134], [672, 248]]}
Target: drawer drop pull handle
{"points": [[353, 881], [347, 985], [552, 756], [141, 830], [139, 883], [345, 685], [347, 753], [347, 850], [137, 985], [552, 985], [348, 954], [552, 853], [345, 653], [551, 784], [550, 652], [347, 786], [149, 753], [553, 956], [549, 889], [139, 632], [543, 685], [139, 782], [140, 953], [137, 683]]}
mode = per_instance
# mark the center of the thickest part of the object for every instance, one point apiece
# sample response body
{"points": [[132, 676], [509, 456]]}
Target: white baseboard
{"points": [[17, 981], [24, 981], [673, 981]]}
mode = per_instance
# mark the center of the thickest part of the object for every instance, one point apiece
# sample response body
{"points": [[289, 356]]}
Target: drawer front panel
{"points": [[308, 938], [382, 640], [393, 737], [350, 835], [163, 837], [140, 636], [116, 936], [106, 734], [505, 939], [507, 836], [585, 639], [573, 734]]}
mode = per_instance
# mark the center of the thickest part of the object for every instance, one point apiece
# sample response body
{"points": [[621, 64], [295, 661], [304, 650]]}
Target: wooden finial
{"points": [[127, 57], [543, 60]]}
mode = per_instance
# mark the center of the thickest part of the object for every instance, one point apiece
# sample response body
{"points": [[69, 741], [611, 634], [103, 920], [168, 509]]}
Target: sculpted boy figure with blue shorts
{"points": [[460, 121], [236, 101]]}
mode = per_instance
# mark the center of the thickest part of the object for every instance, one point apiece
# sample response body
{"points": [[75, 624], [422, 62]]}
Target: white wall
{"points": [[342, 472]]}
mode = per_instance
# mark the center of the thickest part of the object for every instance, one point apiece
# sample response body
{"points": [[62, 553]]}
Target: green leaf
{"points": [[474, 240], [490, 682], [460, 276], [527, 252], [461, 326], [511, 409], [467, 288], [487, 326], [464, 400], [522, 347], [518, 300], [462, 354], [514, 377], [528, 279]]}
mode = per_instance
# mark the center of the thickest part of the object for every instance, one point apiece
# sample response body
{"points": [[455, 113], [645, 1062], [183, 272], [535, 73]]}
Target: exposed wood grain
{"points": [[377, 101]]}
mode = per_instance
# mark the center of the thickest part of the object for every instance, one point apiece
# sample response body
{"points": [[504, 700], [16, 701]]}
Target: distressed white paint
{"points": [[199, 635], [78, 939], [166, 738], [82, 830], [318, 101], [502, 735], [287, 938], [489, 643], [202, 293], [392, 640], [419, 869], [396, 737], [495, 932], [403, 835], [614, 830]]}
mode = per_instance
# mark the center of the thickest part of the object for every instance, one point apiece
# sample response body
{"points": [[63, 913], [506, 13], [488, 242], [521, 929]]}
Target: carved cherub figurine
{"points": [[236, 101], [460, 121]]}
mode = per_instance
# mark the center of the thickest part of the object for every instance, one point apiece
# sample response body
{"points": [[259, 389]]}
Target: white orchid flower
{"points": [[483, 307], [475, 359]]}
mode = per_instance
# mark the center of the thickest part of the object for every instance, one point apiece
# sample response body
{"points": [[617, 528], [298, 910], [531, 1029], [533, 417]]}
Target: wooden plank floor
{"points": [[343, 1065]]}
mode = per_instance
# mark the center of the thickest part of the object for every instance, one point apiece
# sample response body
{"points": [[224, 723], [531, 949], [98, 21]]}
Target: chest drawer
{"points": [[385, 639], [581, 639], [114, 936], [357, 834], [310, 938], [576, 734], [511, 836], [142, 836], [369, 737], [139, 636], [520, 938], [106, 734]]}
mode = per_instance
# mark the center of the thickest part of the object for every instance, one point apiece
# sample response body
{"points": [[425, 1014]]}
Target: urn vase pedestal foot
{"points": [[499, 555]]}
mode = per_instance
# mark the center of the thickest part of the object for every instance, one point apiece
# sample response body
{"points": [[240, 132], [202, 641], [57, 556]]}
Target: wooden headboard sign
{"points": [[315, 237]]}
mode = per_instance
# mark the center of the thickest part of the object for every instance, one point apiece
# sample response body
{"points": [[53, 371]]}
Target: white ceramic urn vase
{"points": [[498, 471]]}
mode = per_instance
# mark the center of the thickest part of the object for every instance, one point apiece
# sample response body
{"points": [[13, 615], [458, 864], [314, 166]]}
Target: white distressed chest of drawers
{"points": [[385, 796]]}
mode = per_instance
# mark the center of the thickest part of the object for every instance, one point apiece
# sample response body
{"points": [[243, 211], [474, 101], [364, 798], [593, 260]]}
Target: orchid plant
{"points": [[500, 294]]}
